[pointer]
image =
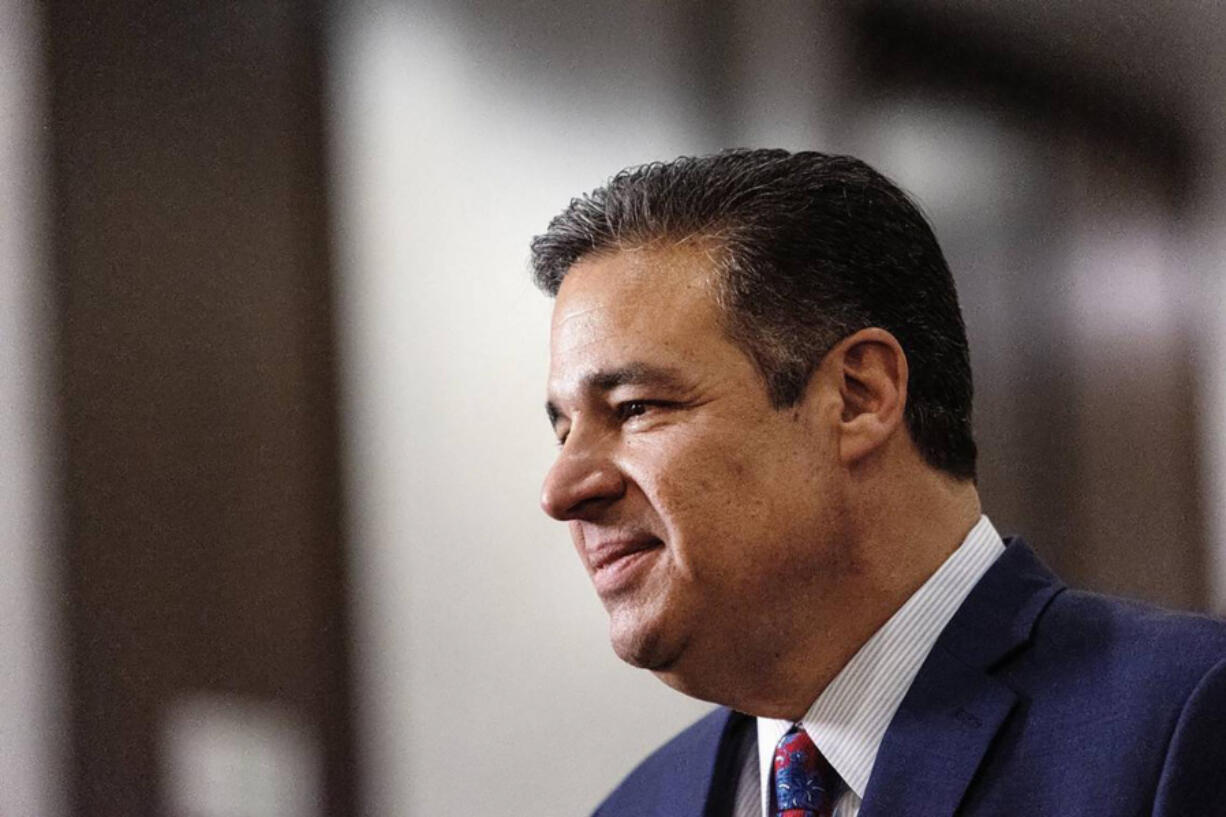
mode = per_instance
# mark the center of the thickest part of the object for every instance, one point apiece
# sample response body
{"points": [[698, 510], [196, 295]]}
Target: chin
{"points": [[670, 655], [685, 680], [643, 645]]}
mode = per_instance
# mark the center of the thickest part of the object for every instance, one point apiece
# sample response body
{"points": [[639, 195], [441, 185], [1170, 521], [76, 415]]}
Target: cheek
{"points": [[717, 511], [713, 484], [688, 483]]}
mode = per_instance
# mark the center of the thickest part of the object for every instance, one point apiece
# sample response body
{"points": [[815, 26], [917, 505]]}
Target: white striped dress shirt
{"points": [[848, 720]]}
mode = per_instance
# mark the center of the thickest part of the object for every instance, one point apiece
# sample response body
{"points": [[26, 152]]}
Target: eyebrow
{"points": [[632, 374]]}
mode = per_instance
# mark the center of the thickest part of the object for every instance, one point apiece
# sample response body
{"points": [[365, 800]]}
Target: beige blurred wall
{"points": [[31, 679]]}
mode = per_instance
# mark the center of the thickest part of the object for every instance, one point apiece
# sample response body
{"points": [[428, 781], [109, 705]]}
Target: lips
{"points": [[615, 563]]}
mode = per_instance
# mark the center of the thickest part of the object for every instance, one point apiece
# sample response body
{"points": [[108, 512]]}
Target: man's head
{"points": [[807, 249], [737, 344]]}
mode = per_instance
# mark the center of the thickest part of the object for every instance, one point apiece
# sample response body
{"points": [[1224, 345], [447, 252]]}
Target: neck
{"points": [[896, 541]]}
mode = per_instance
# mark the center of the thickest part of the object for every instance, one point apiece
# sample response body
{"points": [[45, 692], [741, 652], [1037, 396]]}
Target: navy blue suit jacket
{"points": [[1035, 700]]}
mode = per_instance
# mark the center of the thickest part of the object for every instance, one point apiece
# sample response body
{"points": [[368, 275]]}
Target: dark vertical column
{"points": [[196, 368]]}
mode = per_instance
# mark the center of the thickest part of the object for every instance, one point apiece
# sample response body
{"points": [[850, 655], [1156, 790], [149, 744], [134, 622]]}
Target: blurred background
{"points": [[272, 370]]}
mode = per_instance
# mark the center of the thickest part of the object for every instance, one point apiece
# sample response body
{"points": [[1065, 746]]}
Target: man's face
{"points": [[696, 507]]}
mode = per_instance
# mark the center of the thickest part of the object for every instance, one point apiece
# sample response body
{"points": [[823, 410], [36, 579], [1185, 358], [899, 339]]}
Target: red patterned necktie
{"points": [[806, 785]]}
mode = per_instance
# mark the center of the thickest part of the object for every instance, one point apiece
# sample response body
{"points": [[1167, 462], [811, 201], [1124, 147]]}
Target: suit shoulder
{"points": [[678, 771], [1134, 642]]}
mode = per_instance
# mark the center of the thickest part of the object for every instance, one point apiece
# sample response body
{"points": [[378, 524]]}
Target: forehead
{"points": [[627, 292], [653, 306]]}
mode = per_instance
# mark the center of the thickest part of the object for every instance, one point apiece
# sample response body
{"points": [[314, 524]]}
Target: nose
{"points": [[580, 484]]}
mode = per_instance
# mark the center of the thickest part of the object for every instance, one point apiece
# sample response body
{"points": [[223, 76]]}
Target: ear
{"points": [[871, 369]]}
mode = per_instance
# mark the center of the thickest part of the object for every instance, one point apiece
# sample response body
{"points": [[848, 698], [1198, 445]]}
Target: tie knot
{"points": [[805, 783]]}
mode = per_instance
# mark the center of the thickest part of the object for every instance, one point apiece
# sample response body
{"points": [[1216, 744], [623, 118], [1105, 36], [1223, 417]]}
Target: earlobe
{"points": [[872, 370]]}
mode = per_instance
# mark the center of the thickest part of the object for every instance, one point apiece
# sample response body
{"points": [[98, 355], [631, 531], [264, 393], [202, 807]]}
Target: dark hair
{"points": [[814, 248]]}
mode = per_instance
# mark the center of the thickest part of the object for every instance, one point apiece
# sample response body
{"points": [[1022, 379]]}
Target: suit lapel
{"points": [[702, 781], [936, 740], [955, 707]]}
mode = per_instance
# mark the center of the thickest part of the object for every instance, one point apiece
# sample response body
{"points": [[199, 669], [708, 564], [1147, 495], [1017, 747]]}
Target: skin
{"points": [[743, 553]]}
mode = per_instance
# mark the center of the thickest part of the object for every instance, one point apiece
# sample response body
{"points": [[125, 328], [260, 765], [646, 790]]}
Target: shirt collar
{"points": [[848, 720]]}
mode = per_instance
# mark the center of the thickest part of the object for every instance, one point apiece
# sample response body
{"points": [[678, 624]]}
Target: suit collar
{"points": [[1000, 613], [955, 707], [694, 775]]}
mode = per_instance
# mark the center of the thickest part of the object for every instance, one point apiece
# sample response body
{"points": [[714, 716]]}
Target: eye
{"points": [[632, 408]]}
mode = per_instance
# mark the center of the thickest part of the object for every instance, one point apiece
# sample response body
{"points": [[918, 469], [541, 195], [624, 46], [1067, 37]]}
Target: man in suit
{"points": [[760, 382]]}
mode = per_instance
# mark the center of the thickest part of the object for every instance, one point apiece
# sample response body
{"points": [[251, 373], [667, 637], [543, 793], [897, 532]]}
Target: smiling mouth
{"points": [[614, 565]]}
